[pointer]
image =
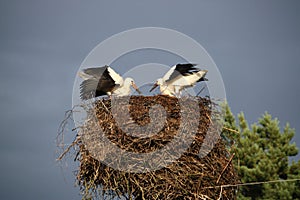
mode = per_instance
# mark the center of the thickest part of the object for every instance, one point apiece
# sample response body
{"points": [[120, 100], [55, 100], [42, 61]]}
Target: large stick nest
{"points": [[187, 177]]}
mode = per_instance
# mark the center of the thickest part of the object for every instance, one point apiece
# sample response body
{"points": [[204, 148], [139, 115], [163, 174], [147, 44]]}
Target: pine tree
{"points": [[262, 153]]}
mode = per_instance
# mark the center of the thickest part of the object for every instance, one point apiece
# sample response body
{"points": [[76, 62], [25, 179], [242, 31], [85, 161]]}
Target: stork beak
{"points": [[136, 88], [154, 86], [204, 78], [204, 72]]}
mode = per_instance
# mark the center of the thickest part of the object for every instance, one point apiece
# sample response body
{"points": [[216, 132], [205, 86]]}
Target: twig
{"points": [[252, 183], [229, 129], [204, 197], [200, 91], [104, 105], [220, 196], [68, 149], [62, 126], [225, 167], [209, 118]]}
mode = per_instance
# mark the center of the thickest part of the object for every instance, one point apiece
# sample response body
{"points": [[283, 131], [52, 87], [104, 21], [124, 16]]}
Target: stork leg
{"points": [[177, 91]]}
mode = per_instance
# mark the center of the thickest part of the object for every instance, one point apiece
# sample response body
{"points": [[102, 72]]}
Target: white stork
{"points": [[100, 81], [180, 76]]}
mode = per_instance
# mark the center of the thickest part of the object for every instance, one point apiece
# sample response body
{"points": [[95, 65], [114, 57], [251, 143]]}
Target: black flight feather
{"points": [[183, 70], [99, 84]]}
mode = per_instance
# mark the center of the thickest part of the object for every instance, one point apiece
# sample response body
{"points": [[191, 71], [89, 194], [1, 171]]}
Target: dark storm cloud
{"points": [[255, 44]]}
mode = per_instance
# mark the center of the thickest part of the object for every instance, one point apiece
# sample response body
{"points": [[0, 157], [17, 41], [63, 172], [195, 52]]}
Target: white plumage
{"points": [[179, 77], [100, 81]]}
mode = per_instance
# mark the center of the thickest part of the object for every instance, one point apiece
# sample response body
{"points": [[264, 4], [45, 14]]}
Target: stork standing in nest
{"points": [[179, 77], [99, 81]]}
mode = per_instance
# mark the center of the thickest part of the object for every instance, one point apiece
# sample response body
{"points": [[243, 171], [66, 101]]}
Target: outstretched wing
{"points": [[180, 70], [95, 71], [114, 75], [100, 82]]}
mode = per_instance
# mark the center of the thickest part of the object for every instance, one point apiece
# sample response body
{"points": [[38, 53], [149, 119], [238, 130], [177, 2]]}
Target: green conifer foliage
{"points": [[262, 153]]}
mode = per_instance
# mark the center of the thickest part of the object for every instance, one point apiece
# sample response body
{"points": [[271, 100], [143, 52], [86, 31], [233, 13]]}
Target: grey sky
{"points": [[255, 44]]}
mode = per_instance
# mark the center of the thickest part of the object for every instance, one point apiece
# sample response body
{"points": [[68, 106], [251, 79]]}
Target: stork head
{"points": [[159, 82], [130, 82]]}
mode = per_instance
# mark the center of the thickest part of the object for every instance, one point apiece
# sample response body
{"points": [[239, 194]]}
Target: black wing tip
{"points": [[85, 70], [187, 68], [202, 79], [186, 64]]}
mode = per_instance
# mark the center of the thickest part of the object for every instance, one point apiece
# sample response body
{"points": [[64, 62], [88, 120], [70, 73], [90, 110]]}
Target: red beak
{"points": [[154, 86], [136, 88]]}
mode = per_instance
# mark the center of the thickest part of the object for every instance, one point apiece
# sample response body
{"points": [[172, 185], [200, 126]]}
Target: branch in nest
{"points": [[75, 142]]}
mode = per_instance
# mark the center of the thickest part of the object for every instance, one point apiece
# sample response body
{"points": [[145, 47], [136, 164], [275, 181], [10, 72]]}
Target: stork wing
{"points": [[180, 70], [95, 72], [92, 87], [106, 71], [169, 73], [88, 89], [99, 83], [115, 76]]}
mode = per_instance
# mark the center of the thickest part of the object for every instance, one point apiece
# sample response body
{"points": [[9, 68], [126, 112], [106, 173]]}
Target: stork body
{"points": [[101, 81], [179, 77]]}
